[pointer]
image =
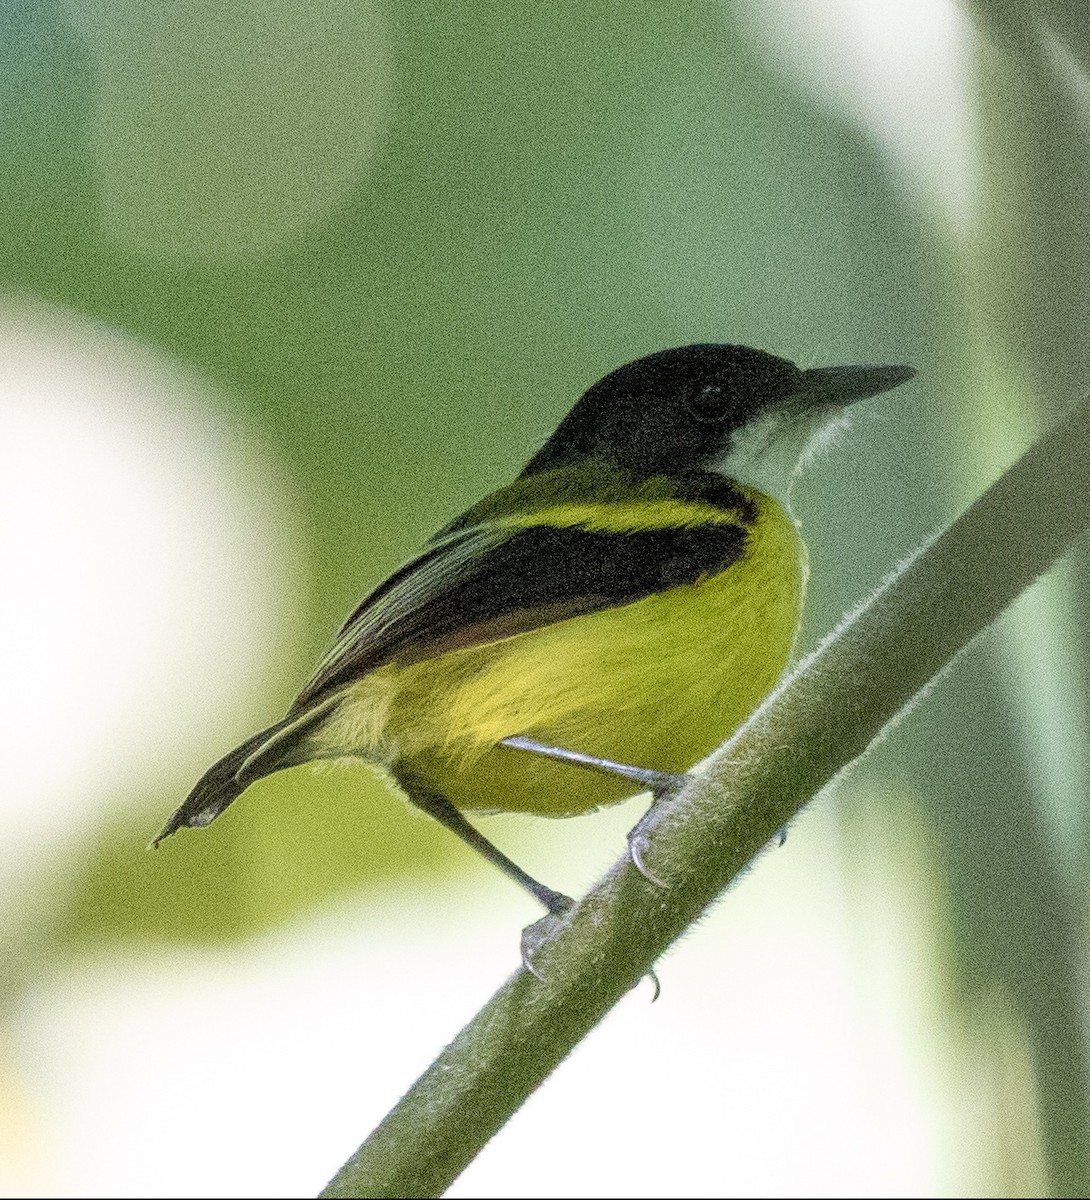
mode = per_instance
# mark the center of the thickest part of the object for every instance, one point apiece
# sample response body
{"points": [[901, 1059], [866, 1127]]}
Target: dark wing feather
{"points": [[492, 581]]}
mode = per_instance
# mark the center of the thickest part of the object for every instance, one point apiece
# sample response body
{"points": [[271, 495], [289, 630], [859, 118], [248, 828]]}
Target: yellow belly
{"points": [[656, 683]]}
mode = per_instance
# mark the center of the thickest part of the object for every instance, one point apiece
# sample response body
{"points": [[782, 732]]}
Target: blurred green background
{"points": [[285, 287]]}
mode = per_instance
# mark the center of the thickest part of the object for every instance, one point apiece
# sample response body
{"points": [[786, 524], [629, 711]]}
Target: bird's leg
{"points": [[659, 783], [439, 807]]}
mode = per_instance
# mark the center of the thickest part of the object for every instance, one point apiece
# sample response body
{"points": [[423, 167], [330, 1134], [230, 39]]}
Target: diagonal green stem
{"points": [[823, 717]]}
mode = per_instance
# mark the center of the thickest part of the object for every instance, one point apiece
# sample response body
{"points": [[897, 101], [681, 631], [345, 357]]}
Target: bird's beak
{"points": [[837, 387]]}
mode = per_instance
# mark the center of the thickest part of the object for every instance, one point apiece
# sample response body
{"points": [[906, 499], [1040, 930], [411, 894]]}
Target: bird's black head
{"points": [[681, 409]]}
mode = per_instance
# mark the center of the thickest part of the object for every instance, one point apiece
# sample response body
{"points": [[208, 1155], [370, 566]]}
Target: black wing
{"points": [[494, 581]]}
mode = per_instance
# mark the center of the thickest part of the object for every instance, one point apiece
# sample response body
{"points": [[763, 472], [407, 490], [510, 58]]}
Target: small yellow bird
{"points": [[629, 599]]}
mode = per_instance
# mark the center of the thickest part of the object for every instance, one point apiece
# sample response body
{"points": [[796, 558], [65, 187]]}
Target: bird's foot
{"points": [[639, 834], [536, 935], [637, 847], [543, 930]]}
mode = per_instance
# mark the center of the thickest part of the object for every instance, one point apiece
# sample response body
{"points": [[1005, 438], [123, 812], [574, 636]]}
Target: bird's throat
{"points": [[769, 453]]}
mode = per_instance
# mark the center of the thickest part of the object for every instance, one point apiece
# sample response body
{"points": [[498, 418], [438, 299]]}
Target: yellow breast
{"points": [[656, 683]]}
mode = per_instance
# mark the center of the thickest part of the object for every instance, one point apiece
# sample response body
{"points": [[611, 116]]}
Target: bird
{"points": [[623, 605]]}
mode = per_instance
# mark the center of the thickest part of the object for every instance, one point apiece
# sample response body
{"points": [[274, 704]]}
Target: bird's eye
{"points": [[707, 402]]}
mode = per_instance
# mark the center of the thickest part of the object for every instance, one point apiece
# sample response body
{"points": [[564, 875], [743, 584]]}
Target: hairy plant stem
{"points": [[824, 715]]}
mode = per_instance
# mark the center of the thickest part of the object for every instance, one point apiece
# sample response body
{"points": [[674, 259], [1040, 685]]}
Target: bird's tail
{"points": [[215, 789], [281, 745]]}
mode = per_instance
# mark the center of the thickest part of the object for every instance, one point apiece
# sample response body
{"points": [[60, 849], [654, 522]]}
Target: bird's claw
{"points": [[637, 844], [665, 785], [536, 935]]}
